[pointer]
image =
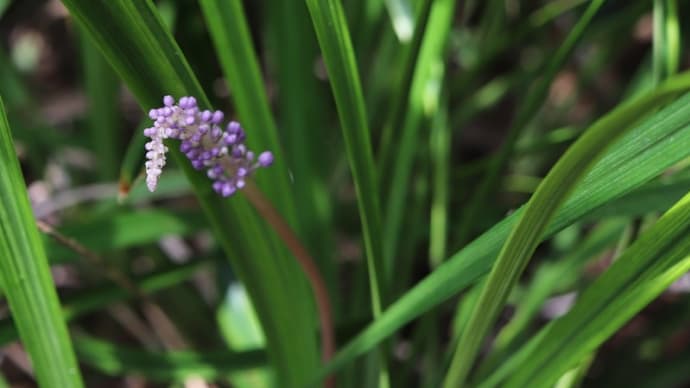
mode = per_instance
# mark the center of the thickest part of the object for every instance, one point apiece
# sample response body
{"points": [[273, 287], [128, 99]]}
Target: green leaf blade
{"points": [[26, 277], [644, 270], [334, 39]]}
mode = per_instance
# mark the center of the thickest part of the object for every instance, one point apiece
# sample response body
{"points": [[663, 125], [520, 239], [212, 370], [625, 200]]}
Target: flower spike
{"points": [[222, 153]]}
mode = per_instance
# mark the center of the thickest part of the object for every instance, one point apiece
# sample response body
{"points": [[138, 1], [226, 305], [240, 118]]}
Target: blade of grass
{"points": [[629, 164], [644, 270], [666, 40], [141, 50], [400, 12], [26, 278], [402, 84], [440, 176], [552, 9], [334, 40], [302, 106], [422, 97], [102, 90], [550, 278]]}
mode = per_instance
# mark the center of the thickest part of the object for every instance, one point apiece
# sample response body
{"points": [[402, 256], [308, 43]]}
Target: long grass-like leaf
{"points": [[102, 88], [26, 278], [429, 65], [302, 117], [334, 39], [666, 44], [644, 270]]}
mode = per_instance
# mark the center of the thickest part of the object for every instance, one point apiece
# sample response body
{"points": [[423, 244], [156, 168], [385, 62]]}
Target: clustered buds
{"points": [[222, 153]]}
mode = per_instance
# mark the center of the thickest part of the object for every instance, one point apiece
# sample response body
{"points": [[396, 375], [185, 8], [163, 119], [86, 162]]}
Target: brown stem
{"points": [[271, 215]]}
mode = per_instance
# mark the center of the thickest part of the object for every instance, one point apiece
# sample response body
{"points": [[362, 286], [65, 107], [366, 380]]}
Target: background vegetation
{"points": [[494, 193]]}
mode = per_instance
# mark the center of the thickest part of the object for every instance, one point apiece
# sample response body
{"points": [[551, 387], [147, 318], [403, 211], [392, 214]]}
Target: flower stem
{"points": [[271, 215]]}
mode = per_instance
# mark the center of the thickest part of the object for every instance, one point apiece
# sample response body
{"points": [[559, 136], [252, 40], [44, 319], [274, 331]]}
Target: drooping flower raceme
{"points": [[222, 153]]}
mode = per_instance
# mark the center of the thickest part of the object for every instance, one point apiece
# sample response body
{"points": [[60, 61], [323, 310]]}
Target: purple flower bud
{"points": [[216, 133], [185, 146], [239, 150], [217, 117], [227, 189], [168, 100], [197, 164], [233, 127], [230, 138], [265, 159]]}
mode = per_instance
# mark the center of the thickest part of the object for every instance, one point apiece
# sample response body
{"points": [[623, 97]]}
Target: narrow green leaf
{"points": [[334, 39], [666, 40], [554, 277], [644, 271], [423, 101], [102, 91], [401, 84], [303, 108], [657, 143], [552, 9], [440, 154], [338, 54], [26, 279], [402, 18]]}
